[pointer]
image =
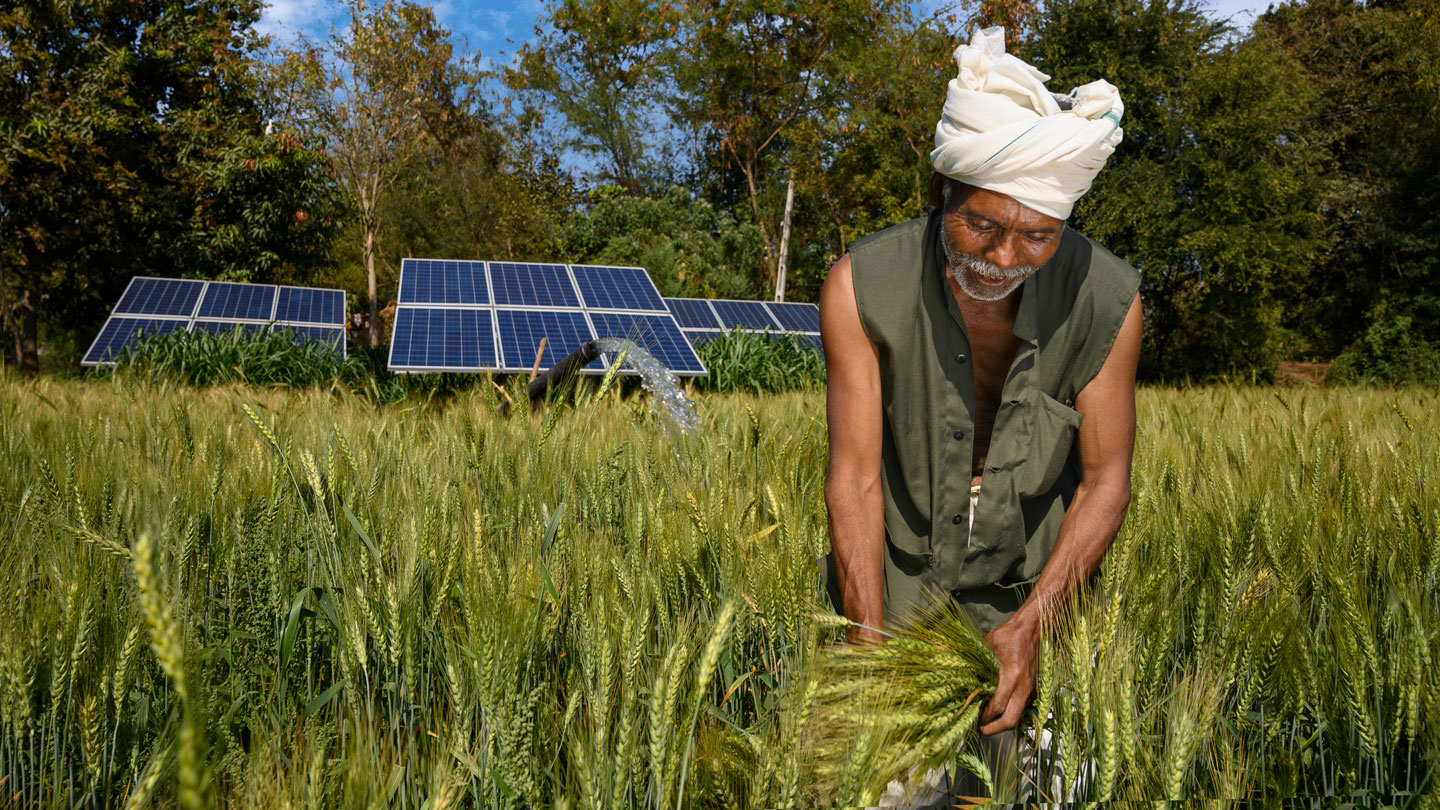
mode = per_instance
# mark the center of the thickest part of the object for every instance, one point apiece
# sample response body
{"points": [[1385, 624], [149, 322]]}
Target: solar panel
{"points": [[254, 302], [429, 339], [117, 333], [160, 296], [693, 313], [533, 285], [656, 333], [173, 305], [426, 281], [698, 336], [795, 317], [627, 288], [699, 322], [744, 314], [564, 305], [520, 331], [310, 305]]}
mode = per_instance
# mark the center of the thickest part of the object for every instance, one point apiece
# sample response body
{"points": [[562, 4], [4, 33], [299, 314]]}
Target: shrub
{"points": [[260, 358], [759, 362], [1398, 347]]}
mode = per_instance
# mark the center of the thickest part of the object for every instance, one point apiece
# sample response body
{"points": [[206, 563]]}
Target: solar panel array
{"points": [[703, 319], [164, 305], [491, 316]]}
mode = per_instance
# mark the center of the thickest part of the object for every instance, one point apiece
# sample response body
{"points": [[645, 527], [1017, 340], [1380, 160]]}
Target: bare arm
{"points": [[1106, 445], [852, 487]]}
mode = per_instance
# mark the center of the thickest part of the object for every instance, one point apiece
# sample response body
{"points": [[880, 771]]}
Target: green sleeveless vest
{"points": [[1070, 311]]}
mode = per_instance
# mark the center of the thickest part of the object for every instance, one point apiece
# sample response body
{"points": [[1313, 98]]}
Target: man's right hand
{"points": [[853, 495]]}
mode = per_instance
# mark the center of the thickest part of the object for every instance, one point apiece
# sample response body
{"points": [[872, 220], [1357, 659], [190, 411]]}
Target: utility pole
{"points": [[785, 237]]}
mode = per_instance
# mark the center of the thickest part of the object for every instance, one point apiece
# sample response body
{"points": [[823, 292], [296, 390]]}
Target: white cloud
{"points": [[284, 19]]}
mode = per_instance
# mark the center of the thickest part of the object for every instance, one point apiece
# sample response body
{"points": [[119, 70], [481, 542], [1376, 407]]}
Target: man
{"points": [[981, 369]]}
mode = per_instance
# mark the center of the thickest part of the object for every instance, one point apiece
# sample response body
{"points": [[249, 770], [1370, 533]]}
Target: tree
{"points": [[752, 75], [690, 248], [603, 66], [1212, 194], [1374, 295], [131, 144], [372, 99]]}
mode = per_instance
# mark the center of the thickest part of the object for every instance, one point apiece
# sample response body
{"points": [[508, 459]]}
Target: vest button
{"points": [[958, 519], [995, 469], [1014, 402], [960, 358], [959, 434]]}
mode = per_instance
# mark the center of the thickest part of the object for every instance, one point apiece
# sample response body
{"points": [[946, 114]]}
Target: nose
{"points": [[1001, 251]]}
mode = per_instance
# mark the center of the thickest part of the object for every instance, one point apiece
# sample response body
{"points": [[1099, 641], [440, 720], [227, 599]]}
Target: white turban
{"points": [[1003, 131]]}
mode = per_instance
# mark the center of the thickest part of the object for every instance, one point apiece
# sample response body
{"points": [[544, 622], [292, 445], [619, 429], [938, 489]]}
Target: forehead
{"points": [[1001, 208]]}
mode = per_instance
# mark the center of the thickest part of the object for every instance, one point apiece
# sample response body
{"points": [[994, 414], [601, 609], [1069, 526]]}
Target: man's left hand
{"points": [[1014, 644]]}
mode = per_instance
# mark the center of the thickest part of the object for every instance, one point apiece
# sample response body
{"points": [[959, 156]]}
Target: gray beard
{"points": [[964, 268]]}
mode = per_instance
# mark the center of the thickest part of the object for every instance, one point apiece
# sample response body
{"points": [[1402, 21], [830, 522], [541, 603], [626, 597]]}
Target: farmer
{"points": [[981, 366]]}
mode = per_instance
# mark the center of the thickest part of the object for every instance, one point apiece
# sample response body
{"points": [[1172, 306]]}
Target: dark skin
{"points": [[995, 228]]}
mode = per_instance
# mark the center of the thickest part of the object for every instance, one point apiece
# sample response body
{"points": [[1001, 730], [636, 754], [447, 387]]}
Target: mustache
{"points": [[975, 264]]}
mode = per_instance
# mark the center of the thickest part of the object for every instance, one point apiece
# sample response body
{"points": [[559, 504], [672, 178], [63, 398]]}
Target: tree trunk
{"points": [[785, 237], [373, 332], [27, 339], [749, 169]]}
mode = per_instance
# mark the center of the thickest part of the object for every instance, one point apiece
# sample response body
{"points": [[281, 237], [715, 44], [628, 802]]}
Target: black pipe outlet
{"points": [[563, 370]]}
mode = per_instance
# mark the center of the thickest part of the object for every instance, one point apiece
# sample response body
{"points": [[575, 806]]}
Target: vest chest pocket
{"points": [[1052, 434]]}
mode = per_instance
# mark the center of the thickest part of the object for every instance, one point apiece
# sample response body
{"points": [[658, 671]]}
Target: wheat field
{"points": [[270, 598]]}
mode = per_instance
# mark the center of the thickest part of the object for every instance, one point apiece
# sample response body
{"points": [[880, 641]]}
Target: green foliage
{"points": [[386, 81], [264, 358], [604, 70], [1212, 194], [265, 598], [689, 248], [1400, 345], [757, 79], [759, 363], [131, 143], [866, 166], [1376, 68]]}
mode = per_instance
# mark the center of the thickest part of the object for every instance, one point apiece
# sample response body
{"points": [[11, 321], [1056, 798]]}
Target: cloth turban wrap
{"points": [[1003, 131]]}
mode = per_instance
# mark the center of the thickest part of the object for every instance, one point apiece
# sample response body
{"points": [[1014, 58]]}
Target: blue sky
{"points": [[493, 28], [497, 28]]}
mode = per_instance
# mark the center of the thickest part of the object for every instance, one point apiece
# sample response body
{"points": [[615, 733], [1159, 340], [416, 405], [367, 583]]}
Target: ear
{"points": [[936, 193]]}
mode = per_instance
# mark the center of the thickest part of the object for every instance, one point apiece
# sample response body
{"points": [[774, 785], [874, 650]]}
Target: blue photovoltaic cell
{"points": [[532, 285], [617, 288], [698, 336], [693, 313], [459, 339], [160, 296], [796, 317], [432, 281], [223, 299], [311, 305], [521, 330], [219, 327], [657, 333], [746, 314], [118, 332]]}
